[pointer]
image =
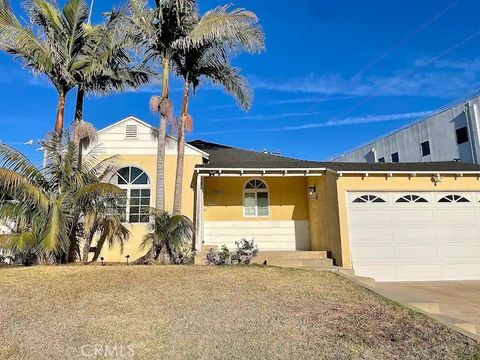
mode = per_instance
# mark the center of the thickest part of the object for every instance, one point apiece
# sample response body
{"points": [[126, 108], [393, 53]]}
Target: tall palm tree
{"points": [[207, 59], [52, 43], [162, 31], [157, 30], [51, 204]]}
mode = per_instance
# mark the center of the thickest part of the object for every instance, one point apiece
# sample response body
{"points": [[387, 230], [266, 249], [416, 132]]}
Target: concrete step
{"points": [[284, 255], [207, 248], [302, 263]]}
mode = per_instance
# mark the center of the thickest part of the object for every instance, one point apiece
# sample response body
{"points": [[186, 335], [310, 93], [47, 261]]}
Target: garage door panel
{"points": [[415, 252], [446, 234], [414, 234], [370, 217], [452, 252], [420, 271], [466, 271], [373, 235], [454, 215], [415, 241], [379, 252], [412, 216]]}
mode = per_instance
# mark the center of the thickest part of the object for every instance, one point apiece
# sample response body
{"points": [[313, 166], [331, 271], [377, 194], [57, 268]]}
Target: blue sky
{"points": [[336, 74]]}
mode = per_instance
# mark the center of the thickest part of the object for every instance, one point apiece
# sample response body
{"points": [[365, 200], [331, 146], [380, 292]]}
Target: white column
{"points": [[199, 209]]}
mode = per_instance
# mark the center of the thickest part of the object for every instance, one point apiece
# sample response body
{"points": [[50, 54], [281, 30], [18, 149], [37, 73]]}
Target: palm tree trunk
{"points": [[78, 118], [99, 247], [88, 244], [60, 112], [177, 203], [162, 133], [79, 104]]}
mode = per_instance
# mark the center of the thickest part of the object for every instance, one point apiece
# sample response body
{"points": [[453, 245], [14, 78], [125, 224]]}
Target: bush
{"points": [[245, 252], [242, 255]]}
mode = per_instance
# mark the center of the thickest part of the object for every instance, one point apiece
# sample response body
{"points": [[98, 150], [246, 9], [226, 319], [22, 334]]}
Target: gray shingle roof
{"points": [[223, 157]]}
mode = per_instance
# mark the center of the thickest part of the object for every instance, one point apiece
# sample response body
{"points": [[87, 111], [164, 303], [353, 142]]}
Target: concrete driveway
{"points": [[456, 303]]}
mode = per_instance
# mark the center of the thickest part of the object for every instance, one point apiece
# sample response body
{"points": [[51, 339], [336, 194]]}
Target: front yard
{"points": [[207, 312]]}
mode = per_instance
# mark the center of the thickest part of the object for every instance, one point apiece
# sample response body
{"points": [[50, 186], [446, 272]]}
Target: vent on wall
{"points": [[131, 131]]}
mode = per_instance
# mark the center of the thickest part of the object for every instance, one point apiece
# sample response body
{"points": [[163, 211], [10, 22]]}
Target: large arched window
{"points": [[136, 184], [255, 199]]}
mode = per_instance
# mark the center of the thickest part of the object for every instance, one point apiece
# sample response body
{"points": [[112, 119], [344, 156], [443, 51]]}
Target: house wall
{"points": [[396, 183], [323, 213], [286, 227], [148, 164]]}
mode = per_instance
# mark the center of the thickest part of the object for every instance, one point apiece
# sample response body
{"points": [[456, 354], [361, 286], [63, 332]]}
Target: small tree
{"points": [[169, 236]]}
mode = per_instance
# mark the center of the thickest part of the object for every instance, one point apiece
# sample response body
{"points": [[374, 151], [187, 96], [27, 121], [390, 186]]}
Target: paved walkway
{"points": [[456, 303]]}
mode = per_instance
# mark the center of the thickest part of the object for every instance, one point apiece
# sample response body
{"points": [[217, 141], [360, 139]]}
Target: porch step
{"points": [[207, 248], [303, 263], [270, 256]]}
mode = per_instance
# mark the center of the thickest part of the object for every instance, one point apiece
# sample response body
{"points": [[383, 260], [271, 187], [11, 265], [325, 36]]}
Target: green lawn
{"points": [[206, 313]]}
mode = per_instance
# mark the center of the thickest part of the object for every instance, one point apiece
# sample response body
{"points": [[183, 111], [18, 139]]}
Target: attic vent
{"points": [[131, 131]]}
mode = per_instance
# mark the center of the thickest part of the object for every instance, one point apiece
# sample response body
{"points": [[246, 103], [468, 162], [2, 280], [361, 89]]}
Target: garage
{"points": [[422, 236]]}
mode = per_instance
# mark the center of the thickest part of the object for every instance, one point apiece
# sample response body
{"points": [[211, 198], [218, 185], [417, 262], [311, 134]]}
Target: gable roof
{"points": [[153, 128], [227, 157]]}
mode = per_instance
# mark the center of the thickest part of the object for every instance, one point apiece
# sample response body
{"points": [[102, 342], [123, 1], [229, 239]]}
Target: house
{"points": [[451, 133], [389, 221]]}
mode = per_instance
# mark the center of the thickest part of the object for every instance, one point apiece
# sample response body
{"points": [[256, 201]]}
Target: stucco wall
{"points": [[224, 198], [148, 164], [395, 183], [324, 224]]}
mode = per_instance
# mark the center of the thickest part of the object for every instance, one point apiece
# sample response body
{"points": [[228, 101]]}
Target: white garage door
{"points": [[415, 236]]}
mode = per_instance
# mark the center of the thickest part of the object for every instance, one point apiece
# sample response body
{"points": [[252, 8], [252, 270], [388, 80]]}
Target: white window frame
{"points": [[256, 192], [129, 187]]}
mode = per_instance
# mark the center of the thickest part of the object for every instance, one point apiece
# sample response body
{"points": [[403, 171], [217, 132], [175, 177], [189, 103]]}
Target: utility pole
{"points": [[90, 13]]}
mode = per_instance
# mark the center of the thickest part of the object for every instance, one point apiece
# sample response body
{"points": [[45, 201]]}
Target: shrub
{"points": [[243, 254], [218, 257]]}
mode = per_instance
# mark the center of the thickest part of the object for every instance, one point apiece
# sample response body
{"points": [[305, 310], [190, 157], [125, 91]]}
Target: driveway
{"points": [[455, 303]]}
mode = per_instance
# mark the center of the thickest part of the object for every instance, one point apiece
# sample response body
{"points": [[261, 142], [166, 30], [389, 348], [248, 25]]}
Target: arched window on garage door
{"points": [[453, 199], [412, 199], [369, 199]]}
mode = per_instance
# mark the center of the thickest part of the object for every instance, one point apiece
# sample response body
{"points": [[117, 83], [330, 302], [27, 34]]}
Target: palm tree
{"points": [[54, 45], [51, 204], [208, 59], [110, 68], [168, 234], [161, 32], [157, 30]]}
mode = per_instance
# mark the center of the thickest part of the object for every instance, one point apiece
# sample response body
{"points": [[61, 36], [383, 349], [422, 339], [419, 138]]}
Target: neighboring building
{"points": [[407, 221], [448, 135]]}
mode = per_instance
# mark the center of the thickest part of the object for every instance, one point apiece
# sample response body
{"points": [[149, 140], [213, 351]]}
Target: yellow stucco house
{"points": [[389, 221]]}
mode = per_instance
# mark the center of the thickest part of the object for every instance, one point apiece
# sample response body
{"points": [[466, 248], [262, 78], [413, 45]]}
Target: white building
{"points": [[451, 134]]}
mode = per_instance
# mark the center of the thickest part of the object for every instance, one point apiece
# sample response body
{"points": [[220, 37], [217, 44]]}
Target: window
{"points": [[382, 160], [425, 146], [412, 199], [136, 202], [255, 199], [395, 157], [369, 199], [453, 199], [462, 135], [131, 131]]}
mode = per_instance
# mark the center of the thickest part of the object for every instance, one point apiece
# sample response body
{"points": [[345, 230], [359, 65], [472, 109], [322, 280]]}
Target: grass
{"points": [[209, 313]]}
